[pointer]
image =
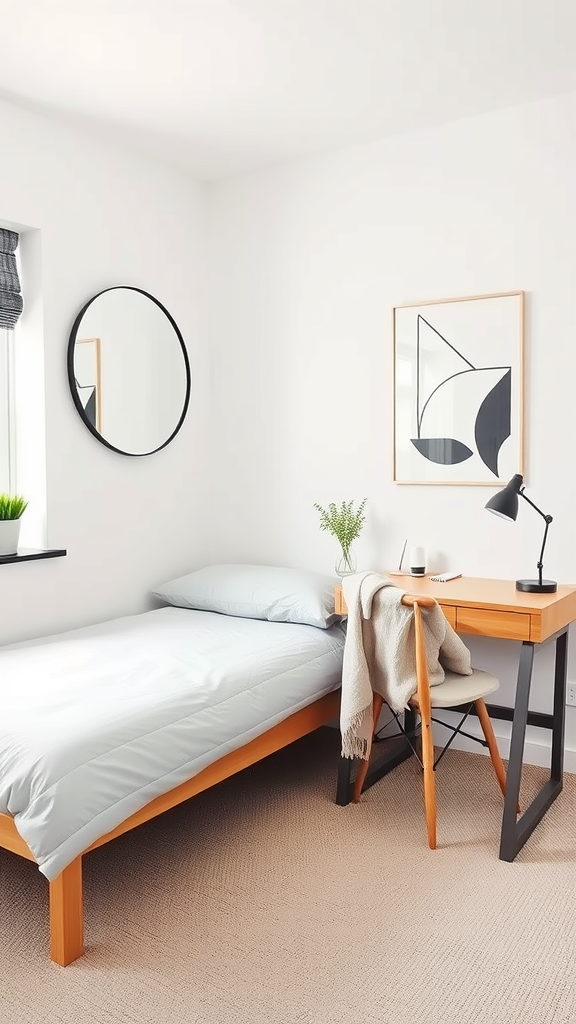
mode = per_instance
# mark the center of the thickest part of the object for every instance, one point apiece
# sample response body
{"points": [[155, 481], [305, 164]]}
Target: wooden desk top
{"points": [[492, 607]]}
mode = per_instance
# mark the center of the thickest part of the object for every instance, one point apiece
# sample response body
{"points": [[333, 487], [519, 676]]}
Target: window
{"points": [[7, 413], [22, 385], [10, 309]]}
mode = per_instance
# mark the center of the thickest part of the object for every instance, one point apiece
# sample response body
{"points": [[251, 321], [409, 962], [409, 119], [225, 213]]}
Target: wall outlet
{"points": [[571, 693]]}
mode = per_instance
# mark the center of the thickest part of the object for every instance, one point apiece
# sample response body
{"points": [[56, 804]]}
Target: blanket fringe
{"points": [[354, 744]]}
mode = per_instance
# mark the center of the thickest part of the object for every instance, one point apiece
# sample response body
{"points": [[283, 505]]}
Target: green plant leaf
{"points": [[12, 506], [343, 521]]}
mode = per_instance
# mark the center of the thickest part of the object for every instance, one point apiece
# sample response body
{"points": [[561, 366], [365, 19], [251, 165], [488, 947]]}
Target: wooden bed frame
{"points": [[66, 902]]}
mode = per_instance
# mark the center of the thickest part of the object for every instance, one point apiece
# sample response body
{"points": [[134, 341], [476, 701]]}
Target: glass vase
{"points": [[346, 562]]}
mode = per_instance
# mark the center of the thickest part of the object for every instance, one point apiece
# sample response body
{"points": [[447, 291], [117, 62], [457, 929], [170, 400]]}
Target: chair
{"points": [[455, 691]]}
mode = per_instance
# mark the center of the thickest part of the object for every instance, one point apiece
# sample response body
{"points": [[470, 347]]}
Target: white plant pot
{"points": [[9, 533]]}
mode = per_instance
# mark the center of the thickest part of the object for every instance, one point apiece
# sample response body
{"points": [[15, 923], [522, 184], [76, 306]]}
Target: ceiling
{"points": [[222, 87]]}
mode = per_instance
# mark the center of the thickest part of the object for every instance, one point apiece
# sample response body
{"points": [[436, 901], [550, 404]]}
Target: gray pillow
{"points": [[256, 592]]}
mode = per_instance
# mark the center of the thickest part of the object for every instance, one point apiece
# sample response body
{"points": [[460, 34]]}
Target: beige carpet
{"points": [[262, 902]]}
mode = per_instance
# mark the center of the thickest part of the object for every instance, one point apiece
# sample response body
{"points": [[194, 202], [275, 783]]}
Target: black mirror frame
{"points": [[72, 377]]}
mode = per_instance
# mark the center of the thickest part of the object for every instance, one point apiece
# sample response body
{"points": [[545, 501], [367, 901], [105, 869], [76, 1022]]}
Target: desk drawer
{"points": [[485, 622], [450, 613]]}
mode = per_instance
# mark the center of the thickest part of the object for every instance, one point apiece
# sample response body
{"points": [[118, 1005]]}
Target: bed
{"points": [[105, 727]]}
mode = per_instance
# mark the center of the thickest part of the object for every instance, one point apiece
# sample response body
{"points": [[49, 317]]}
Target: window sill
{"points": [[29, 554]]}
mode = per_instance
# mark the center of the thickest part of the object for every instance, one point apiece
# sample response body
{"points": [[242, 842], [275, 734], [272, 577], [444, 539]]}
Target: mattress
{"points": [[97, 722]]}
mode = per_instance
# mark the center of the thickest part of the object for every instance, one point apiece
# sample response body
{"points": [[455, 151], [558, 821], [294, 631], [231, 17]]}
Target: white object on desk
{"points": [[445, 576], [417, 561]]}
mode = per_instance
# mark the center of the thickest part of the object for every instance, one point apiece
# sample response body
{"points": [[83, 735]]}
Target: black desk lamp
{"points": [[505, 505]]}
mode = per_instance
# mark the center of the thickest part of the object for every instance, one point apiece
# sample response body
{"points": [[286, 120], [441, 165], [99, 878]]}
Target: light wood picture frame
{"points": [[458, 381]]}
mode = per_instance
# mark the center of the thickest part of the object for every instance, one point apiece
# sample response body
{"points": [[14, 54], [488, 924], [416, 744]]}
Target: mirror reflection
{"points": [[128, 371]]}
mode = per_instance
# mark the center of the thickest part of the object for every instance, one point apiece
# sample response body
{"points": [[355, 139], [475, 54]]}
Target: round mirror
{"points": [[128, 371]]}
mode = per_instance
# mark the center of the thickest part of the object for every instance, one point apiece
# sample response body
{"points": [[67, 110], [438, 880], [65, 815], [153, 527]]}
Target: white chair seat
{"points": [[457, 689]]}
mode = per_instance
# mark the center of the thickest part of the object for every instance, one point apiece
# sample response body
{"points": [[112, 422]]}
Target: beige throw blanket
{"points": [[379, 654]]}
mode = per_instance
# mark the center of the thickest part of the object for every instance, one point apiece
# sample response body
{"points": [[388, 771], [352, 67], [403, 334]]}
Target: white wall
{"points": [[105, 218], [306, 262]]}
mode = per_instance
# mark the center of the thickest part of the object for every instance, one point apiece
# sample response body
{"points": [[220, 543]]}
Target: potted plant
{"points": [[345, 523], [11, 508]]}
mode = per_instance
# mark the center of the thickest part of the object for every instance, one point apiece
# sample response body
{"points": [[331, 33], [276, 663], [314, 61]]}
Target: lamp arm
{"points": [[547, 520], [539, 510], [540, 561]]}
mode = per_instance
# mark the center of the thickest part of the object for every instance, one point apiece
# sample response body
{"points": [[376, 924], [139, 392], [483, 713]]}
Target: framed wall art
{"points": [[458, 390]]}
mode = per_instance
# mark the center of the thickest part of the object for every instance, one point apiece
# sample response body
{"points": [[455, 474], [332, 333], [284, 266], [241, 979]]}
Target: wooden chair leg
{"points": [[429, 780], [377, 703], [486, 724], [425, 711], [66, 915]]}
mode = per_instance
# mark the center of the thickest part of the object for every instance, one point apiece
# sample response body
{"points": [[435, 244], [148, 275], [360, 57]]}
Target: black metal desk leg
{"points": [[343, 784], [559, 711], [515, 833], [514, 774], [380, 765]]}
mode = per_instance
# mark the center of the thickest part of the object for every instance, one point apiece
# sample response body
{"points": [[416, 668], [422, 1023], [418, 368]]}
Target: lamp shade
{"points": [[505, 502]]}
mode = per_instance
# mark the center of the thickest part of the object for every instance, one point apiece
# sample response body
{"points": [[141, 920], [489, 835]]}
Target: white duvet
{"points": [[97, 722]]}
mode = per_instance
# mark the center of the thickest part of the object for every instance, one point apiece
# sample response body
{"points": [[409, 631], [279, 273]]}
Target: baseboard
{"points": [[536, 749]]}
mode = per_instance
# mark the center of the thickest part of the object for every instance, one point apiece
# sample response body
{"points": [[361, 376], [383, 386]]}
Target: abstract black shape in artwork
{"points": [[90, 408], [494, 422], [446, 451], [87, 395]]}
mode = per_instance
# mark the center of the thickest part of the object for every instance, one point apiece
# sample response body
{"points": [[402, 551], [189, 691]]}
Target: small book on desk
{"points": [[443, 577]]}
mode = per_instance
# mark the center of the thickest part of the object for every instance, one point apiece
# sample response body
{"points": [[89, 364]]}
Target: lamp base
{"points": [[535, 587]]}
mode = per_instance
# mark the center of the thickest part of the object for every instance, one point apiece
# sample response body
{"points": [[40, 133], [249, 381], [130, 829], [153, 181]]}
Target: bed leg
{"points": [[66, 915]]}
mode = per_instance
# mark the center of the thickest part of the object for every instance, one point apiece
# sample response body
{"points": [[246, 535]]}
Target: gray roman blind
{"points": [[10, 297]]}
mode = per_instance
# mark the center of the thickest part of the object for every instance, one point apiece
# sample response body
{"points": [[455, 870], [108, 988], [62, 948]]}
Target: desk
{"points": [[495, 608]]}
